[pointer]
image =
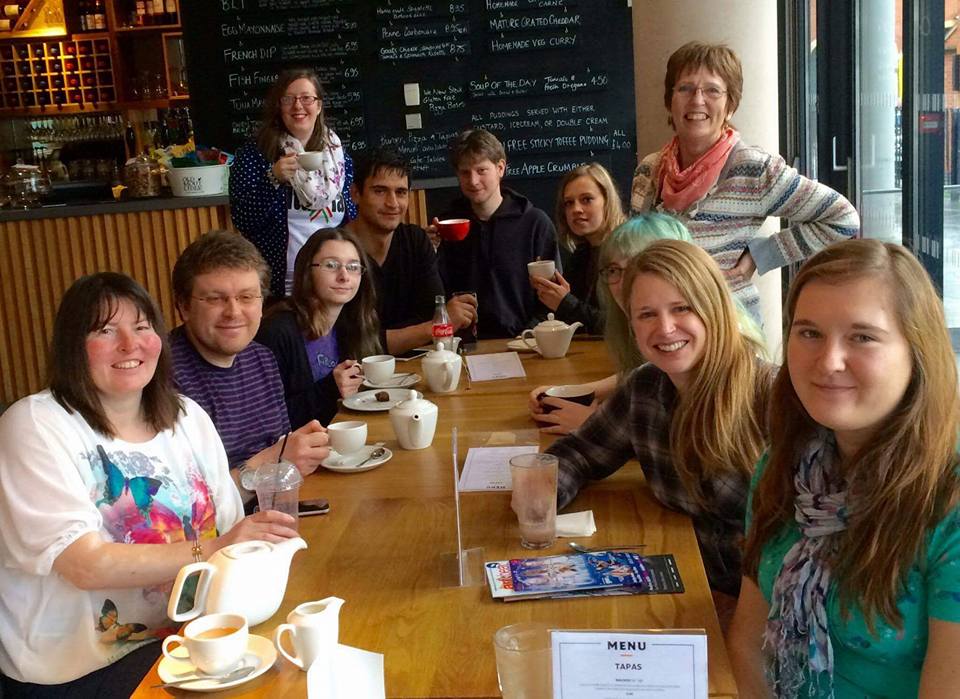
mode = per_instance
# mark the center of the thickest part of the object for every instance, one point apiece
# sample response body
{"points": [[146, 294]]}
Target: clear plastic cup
{"points": [[278, 488], [524, 660], [534, 498]]}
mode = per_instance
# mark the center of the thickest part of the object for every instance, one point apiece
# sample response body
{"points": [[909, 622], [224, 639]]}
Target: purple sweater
{"points": [[245, 401]]}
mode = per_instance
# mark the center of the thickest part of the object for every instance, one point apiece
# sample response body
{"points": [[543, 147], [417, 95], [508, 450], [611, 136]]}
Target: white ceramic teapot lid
{"points": [[441, 354], [551, 324], [413, 405]]}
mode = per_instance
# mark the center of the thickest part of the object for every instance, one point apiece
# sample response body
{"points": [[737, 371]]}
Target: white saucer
{"points": [[367, 401], [521, 346], [401, 380], [260, 653], [349, 463]]}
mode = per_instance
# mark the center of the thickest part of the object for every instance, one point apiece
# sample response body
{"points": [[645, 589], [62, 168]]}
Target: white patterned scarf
{"points": [[318, 189], [797, 637]]}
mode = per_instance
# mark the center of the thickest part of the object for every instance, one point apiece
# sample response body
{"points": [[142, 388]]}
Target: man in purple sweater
{"points": [[218, 285]]}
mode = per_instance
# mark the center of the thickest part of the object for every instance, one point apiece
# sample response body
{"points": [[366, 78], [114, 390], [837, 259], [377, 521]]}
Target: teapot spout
{"points": [[287, 548], [574, 326]]}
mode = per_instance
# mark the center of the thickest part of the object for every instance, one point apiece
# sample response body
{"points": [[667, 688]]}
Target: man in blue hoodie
{"points": [[506, 232]]}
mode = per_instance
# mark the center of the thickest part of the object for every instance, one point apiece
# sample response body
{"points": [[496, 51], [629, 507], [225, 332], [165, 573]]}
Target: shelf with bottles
{"points": [[73, 74], [19, 19], [133, 16]]}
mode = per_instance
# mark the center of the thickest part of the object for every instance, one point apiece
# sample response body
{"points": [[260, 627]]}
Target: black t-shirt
{"points": [[408, 282]]}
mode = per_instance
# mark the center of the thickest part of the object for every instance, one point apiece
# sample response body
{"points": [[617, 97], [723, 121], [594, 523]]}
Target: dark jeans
{"points": [[116, 681]]}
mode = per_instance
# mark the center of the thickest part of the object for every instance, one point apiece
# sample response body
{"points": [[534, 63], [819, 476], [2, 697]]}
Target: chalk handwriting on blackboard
{"points": [[533, 43], [528, 4], [522, 86], [426, 49], [523, 23], [292, 26], [431, 30]]}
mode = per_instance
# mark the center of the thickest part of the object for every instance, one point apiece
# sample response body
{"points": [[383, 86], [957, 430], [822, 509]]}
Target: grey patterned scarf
{"points": [[797, 637]]}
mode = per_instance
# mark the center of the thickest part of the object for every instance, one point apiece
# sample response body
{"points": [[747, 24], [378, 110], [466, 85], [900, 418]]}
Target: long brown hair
{"points": [[272, 129], [88, 305], [718, 425], [358, 327], [902, 480]]}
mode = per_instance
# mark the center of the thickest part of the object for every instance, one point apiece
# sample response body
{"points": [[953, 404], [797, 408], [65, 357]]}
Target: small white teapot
{"points": [[442, 369], [414, 421], [552, 336]]}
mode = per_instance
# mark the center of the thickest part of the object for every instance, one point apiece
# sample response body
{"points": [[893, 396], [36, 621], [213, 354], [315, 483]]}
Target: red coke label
{"points": [[442, 330]]}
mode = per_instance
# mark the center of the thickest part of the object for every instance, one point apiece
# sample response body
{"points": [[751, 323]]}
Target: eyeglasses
{"points": [[611, 274], [709, 92], [305, 100], [333, 266], [221, 300]]}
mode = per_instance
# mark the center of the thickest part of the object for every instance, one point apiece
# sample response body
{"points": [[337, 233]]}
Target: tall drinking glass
{"points": [[535, 498], [524, 661]]}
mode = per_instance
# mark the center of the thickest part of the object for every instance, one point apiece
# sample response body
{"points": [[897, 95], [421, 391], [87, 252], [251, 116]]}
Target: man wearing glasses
{"points": [[218, 286], [403, 264]]}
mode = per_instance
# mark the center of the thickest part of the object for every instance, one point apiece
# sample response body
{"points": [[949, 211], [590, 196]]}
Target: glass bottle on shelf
{"points": [[171, 11], [99, 16], [141, 13]]}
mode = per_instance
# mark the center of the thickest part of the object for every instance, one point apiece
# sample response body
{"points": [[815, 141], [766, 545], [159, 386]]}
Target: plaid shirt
{"points": [[635, 423]]}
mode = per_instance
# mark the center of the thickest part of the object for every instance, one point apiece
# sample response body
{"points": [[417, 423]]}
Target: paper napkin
{"points": [[576, 524], [352, 674]]}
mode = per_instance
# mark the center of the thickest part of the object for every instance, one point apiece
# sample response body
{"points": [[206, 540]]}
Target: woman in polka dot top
{"points": [[278, 200]]}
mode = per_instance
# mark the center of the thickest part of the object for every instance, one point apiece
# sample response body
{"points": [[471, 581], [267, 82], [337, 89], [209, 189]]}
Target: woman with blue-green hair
{"points": [[621, 245]]}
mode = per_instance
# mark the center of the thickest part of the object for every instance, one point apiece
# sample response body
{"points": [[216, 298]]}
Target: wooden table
{"points": [[380, 549]]}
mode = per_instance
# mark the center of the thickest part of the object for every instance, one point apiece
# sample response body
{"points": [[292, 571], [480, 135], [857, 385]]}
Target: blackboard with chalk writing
{"points": [[553, 79]]}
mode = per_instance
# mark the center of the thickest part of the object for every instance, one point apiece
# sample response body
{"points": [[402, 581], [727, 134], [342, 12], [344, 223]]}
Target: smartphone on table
{"points": [[308, 508]]}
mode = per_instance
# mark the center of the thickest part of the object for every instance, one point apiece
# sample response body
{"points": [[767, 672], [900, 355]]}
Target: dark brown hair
{"points": [[215, 250], [358, 327], [717, 58], [476, 144], [87, 306], [272, 128], [902, 480]]}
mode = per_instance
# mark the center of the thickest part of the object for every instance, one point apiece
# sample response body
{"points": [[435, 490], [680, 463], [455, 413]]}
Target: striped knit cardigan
{"points": [[752, 186]]}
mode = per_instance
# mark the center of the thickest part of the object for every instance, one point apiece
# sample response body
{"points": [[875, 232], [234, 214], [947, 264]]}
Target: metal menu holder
{"points": [[463, 568]]}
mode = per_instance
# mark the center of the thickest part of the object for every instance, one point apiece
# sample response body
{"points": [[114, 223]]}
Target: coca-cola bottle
{"points": [[442, 327]]}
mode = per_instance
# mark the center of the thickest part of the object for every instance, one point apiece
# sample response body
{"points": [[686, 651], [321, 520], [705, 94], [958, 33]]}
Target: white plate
{"points": [[399, 380], [521, 346], [260, 653], [349, 463], [367, 401]]}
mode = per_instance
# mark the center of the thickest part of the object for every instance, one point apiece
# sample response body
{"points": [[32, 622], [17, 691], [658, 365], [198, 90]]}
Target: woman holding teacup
{"points": [[693, 415], [110, 482], [294, 179], [328, 321], [588, 208], [851, 581], [723, 190]]}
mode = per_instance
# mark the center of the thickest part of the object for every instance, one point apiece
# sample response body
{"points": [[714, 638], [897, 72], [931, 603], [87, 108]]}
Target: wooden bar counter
{"points": [[380, 549]]}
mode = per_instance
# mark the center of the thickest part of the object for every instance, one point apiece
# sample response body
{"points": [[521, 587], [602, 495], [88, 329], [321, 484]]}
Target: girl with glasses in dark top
{"points": [[325, 327]]}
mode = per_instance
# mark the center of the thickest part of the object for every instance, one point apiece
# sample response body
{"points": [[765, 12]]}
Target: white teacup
{"points": [[542, 268], [311, 160], [348, 436], [215, 642], [315, 628], [379, 367]]}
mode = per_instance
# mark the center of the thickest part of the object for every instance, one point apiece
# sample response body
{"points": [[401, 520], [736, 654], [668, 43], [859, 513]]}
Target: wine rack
{"points": [[72, 74]]}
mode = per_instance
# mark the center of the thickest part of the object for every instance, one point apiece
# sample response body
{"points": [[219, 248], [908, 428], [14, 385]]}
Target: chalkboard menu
{"points": [[553, 79]]}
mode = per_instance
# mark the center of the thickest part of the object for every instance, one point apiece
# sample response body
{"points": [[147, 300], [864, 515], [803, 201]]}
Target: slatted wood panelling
{"points": [[40, 259]]}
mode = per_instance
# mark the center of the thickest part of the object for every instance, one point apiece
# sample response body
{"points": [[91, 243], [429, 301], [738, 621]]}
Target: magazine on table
{"points": [[583, 574]]}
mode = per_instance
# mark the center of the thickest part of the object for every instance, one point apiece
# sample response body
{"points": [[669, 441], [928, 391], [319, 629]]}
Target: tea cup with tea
{"points": [[378, 368], [215, 643], [348, 436]]}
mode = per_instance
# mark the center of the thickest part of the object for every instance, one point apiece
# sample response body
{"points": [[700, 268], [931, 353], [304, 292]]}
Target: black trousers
{"points": [[116, 681]]}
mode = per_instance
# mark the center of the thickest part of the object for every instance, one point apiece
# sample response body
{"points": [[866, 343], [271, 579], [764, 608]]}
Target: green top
{"points": [[887, 663]]}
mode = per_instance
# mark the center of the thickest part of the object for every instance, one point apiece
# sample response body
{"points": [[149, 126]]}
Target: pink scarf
{"points": [[679, 189]]}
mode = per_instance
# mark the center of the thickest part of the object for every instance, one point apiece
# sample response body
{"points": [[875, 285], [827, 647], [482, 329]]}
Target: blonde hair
{"points": [[612, 208], [903, 479], [718, 425]]}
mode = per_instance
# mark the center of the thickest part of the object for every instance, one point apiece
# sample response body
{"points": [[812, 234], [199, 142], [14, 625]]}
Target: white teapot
{"points": [[552, 336], [248, 578], [414, 421], [442, 369]]}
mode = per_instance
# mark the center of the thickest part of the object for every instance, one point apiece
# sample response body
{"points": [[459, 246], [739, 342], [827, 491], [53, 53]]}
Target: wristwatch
{"points": [[247, 476]]}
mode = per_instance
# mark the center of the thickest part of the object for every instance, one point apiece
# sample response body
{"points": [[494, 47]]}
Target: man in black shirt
{"points": [[404, 266]]}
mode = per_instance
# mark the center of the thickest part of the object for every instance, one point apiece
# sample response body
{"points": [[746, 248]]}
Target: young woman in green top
{"points": [[852, 561]]}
